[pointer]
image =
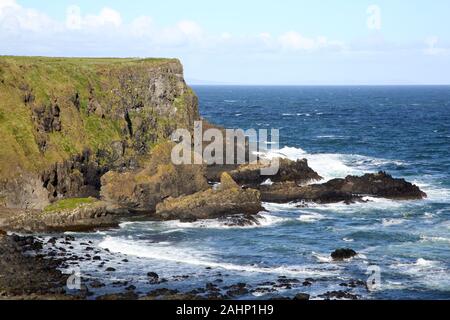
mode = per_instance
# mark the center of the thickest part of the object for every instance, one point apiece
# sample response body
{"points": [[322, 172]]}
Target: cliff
{"points": [[64, 122]]}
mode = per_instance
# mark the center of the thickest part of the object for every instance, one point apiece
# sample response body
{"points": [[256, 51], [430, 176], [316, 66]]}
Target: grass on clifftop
{"points": [[69, 204], [59, 79]]}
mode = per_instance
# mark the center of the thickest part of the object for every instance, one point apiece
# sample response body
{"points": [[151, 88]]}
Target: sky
{"points": [[277, 42]]}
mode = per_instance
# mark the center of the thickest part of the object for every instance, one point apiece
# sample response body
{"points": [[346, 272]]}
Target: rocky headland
{"points": [[85, 145]]}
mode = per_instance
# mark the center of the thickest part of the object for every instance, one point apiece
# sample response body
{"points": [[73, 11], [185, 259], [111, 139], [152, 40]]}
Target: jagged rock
{"points": [[142, 190], [46, 118], [348, 190], [381, 185], [24, 191], [211, 203], [78, 177], [240, 220], [297, 171], [83, 217], [302, 296], [343, 254]]}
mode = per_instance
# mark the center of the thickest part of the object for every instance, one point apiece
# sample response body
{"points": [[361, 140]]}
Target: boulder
{"points": [[250, 174], [343, 254], [227, 200]]}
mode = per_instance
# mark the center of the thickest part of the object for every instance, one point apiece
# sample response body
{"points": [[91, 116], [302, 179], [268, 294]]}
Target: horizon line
{"points": [[315, 85]]}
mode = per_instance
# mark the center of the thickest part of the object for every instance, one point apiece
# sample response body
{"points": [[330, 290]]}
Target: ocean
{"points": [[340, 130]]}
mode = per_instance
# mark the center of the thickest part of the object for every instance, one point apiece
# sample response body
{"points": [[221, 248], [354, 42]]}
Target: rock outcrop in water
{"points": [[296, 171], [347, 190], [228, 199]]}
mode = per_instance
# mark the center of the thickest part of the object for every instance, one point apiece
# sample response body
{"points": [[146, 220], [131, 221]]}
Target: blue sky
{"points": [[246, 42]]}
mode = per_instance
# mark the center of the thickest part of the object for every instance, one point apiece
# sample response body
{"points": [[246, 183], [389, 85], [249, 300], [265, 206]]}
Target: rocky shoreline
{"points": [[38, 268], [98, 152]]}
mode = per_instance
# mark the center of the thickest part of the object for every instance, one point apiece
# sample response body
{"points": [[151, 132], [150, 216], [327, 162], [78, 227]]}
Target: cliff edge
{"points": [[64, 122]]}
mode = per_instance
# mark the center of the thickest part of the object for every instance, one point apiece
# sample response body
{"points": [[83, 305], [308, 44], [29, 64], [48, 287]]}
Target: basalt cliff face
{"points": [[65, 122]]}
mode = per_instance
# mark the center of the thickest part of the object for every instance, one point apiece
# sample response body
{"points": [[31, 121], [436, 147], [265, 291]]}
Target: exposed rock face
{"points": [[297, 171], [54, 110], [142, 190], [227, 200], [25, 191], [80, 218], [78, 177], [349, 189]]}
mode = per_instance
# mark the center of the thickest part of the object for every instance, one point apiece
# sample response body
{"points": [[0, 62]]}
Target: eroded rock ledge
{"points": [[228, 199]]}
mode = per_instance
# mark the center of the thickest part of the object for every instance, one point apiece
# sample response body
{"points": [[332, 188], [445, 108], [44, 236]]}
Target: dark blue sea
{"points": [[340, 130]]}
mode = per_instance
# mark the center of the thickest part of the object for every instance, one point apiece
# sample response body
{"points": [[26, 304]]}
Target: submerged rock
{"points": [[228, 200]]}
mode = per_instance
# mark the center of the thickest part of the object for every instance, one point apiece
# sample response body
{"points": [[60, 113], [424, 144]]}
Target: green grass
{"points": [[58, 79], [69, 204]]}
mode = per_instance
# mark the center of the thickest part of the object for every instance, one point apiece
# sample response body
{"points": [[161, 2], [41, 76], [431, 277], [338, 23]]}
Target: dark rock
{"points": [[339, 295], [301, 296], [97, 284], [228, 200], [236, 290], [153, 277], [297, 171], [348, 190], [109, 269], [342, 254]]}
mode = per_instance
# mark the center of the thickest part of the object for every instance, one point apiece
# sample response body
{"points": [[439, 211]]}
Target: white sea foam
{"points": [[434, 239], [431, 274], [329, 166], [268, 182], [392, 222], [311, 217], [434, 193], [280, 207], [264, 220], [419, 265], [171, 253], [322, 258]]}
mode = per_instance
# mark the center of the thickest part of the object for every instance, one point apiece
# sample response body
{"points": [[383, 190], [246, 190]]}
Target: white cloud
{"points": [[433, 48], [295, 41], [106, 33], [14, 18], [106, 18]]}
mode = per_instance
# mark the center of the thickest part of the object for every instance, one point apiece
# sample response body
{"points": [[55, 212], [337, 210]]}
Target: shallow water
{"points": [[341, 131]]}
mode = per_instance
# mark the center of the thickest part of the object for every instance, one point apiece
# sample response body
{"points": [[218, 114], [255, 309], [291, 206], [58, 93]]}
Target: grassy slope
{"points": [[61, 78]]}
